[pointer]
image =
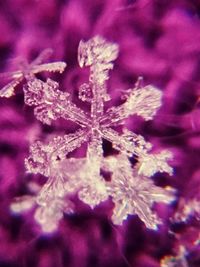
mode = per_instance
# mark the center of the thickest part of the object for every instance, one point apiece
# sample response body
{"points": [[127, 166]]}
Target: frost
{"points": [[186, 210], [28, 71], [130, 187], [22, 204], [176, 261], [143, 102], [52, 103]]}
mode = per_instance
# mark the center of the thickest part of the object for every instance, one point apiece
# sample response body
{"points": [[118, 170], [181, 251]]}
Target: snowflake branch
{"points": [[8, 90], [143, 102], [128, 143], [98, 54], [43, 56], [27, 71], [49, 67], [52, 103], [44, 158]]}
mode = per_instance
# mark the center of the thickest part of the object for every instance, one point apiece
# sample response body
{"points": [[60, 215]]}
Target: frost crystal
{"points": [[129, 187], [27, 71], [186, 210], [177, 261]]}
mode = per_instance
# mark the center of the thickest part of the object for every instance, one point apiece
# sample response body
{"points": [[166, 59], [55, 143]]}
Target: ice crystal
{"points": [[130, 188], [186, 210], [176, 261], [28, 71]]}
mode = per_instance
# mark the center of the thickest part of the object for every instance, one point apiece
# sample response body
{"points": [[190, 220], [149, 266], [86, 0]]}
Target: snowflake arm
{"points": [[95, 150], [8, 90], [42, 57], [50, 67], [28, 71], [44, 157], [128, 143], [133, 144], [50, 205], [94, 190], [98, 55], [48, 216], [51, 202], [143, 102], [186, 210], [51, 103], [21, 204], [36, 65]]}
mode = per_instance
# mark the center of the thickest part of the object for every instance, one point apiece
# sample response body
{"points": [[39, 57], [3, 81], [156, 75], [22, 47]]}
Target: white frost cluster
{"points": [[130, 188], [180, 260], [187, 210]]}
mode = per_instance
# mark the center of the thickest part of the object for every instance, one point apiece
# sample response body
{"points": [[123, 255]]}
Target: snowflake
{"points": [[130, 188], [28, 71]]}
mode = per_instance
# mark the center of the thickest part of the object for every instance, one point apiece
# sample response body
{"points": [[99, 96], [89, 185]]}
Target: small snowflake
{"points": [[28, 71], [133, 193], [130, 188]]}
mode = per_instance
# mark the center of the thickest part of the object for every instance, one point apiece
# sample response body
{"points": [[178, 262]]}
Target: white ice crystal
{"points": [[130, 188], [186, 210], [179, 260]]}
